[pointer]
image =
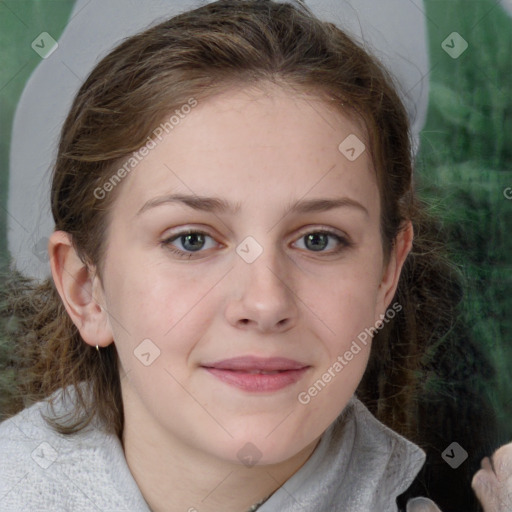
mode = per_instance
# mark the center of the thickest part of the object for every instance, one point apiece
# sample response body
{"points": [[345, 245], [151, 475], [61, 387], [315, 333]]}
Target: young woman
{"points": [[238, 262]]}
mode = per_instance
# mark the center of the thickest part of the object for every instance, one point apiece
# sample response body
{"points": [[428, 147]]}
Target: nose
{"points": [[263, 296]]}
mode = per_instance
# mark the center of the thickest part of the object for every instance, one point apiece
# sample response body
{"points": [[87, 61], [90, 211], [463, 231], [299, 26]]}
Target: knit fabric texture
{"points": [[359, 465]]}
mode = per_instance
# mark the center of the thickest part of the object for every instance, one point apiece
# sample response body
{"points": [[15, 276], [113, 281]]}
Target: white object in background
{"points": [[507, 5]]}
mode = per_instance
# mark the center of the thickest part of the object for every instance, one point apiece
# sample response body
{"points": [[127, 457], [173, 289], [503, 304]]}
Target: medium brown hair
{"points": [[198, 54]]}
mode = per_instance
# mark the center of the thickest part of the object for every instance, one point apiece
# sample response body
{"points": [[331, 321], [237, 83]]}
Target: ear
{"points": [[80, 290], [391, 273]]}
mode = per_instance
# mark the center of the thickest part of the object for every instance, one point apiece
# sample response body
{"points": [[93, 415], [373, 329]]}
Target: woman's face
{"points": [[261, 282]]}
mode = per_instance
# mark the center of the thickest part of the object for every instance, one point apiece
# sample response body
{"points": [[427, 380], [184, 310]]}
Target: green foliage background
{"points": [[464, 165]]}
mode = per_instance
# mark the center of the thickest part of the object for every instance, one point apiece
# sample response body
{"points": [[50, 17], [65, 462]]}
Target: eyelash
{"points": [[344, 242]]}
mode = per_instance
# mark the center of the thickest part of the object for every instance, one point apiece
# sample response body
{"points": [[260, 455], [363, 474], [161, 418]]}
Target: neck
{"points": [[175, 477]]}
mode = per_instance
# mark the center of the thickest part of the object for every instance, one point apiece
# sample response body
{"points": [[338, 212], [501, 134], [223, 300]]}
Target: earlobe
{"points": [[79, 289], [391, 275]]}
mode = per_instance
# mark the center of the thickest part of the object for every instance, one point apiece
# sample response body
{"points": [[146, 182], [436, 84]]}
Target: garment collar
{"points": [[358, 465]]}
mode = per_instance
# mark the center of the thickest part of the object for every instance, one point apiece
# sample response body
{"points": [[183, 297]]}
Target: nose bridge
{"points": [[261, 261], [263, 289]]}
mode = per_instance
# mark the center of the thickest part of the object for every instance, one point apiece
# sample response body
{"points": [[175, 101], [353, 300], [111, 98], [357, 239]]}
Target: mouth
{"points": [[256, 374]]}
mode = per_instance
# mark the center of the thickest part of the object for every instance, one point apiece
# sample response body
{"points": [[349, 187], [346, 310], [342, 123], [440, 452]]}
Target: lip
{"points": [[253, 363], [245, 372]]}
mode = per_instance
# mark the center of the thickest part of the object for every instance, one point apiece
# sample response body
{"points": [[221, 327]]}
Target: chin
{"points": [[259, 451]]}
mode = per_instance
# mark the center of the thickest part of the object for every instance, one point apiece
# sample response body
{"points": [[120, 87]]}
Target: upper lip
{"points": [[251, 363]]}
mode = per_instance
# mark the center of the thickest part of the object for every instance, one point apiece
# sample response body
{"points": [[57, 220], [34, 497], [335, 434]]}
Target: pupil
{"points": [[314, 238], [192, 236]]}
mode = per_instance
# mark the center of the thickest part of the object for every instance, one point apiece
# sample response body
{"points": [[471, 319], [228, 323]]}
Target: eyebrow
{"points": [[218, 205]]}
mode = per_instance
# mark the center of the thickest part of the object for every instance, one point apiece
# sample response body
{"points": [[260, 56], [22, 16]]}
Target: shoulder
{"points": [[399, 459], [396, 460], [44, 469], [28, 448], [20, 435]]}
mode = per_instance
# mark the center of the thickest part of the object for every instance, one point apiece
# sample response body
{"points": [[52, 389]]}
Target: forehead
{"points": [[242, 142]]}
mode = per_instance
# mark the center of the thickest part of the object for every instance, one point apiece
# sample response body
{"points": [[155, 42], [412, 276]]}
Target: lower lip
{"points": [[258, 381]]}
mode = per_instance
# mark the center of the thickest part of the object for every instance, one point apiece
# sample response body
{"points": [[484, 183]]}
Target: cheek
{"points": [[350, 320], [346, 300], [350, 309], [349, 313], [150, 302]]}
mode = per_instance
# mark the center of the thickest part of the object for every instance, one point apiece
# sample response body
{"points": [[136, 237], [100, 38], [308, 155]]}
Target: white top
{"points": [[358, 465]]}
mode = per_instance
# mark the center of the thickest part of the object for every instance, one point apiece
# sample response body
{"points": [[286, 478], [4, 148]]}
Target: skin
{"points": [[493, 482], [264, 149]]}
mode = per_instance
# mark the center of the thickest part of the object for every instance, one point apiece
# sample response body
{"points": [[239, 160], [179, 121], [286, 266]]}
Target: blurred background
{"points": [[464, 169]]}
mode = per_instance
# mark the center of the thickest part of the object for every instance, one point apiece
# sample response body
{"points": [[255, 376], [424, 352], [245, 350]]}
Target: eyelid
{"points": [[318, 228], [172, 237]]}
